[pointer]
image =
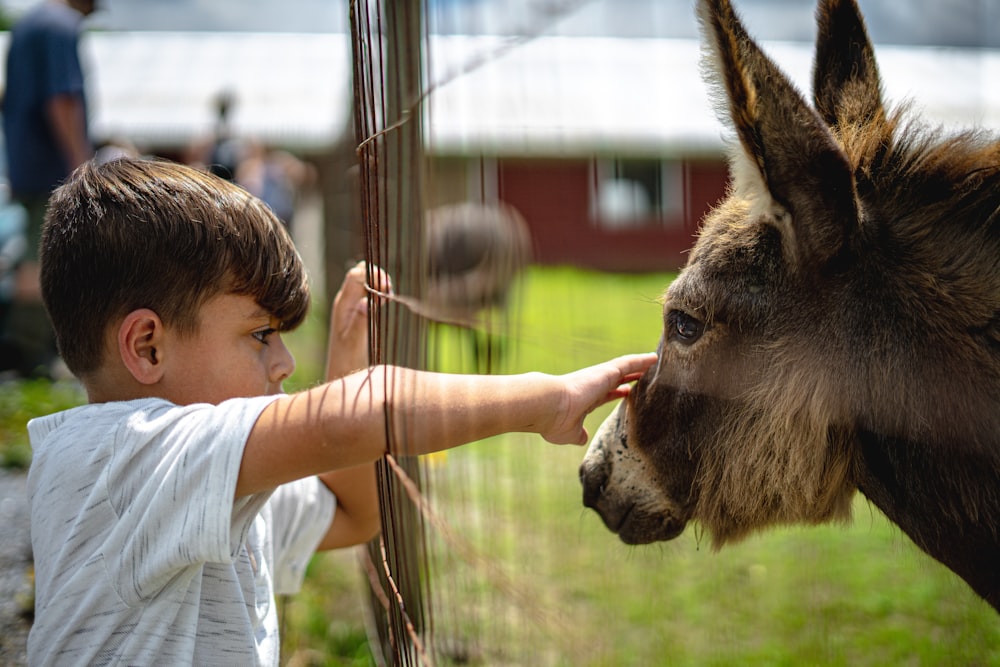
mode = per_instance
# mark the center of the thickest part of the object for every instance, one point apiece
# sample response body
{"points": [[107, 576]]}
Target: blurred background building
{"points": [[590, 118]]}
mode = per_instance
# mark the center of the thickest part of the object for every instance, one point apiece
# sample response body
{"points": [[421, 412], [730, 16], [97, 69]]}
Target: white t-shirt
{"points": [[142, 556]]}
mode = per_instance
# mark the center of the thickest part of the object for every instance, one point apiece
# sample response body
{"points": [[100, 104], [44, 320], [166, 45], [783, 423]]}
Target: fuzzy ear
{"points": [[789, 163], [847, 88], [139, 336]]}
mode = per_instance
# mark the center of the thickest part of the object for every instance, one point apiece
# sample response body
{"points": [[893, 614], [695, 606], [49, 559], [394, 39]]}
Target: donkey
{"points": [[836, 328]]}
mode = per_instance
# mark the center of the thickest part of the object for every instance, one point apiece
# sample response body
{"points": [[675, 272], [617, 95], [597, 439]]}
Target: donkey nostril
{"points": [[594, 479]]}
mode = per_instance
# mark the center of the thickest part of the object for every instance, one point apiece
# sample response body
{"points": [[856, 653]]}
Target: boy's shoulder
{"points": [[120, 429], [139, 411], [42, 427], [130, 442]]}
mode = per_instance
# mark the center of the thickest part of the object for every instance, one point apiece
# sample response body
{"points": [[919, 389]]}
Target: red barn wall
{"points": [[555, 196]]}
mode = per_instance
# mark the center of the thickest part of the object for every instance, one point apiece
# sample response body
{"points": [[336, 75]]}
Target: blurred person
{"points": [[45, 126], [221, 151], [13, 224], [274, 176]]}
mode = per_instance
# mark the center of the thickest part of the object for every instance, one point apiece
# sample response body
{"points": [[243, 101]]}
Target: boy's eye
{"points": [[263, 334]]}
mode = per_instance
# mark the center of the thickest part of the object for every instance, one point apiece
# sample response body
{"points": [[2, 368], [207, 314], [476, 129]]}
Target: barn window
{"points": [[635, 192]]}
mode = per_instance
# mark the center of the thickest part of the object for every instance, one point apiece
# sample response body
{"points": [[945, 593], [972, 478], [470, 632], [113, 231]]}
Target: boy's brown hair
{"points": [[140, 233]]}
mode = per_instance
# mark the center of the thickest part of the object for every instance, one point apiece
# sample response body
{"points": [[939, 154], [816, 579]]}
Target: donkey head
{"points": [[849, 284]]}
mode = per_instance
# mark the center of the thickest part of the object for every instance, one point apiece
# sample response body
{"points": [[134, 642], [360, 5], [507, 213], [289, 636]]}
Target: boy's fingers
{"points": [[356, 276], [351, 305], [618, 392], [635, 364], [632, 367], [353, 317], [381, 283]]}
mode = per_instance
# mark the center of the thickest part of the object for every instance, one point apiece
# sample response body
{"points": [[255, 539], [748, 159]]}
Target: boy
{"points": [[167, 512]]}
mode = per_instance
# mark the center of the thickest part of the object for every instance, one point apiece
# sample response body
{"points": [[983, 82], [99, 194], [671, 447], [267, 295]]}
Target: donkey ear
{"points": [[798, 175], [846, 83]]}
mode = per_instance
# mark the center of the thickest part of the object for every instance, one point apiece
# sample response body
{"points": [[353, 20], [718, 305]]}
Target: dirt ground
{"points": [[16, 585]]}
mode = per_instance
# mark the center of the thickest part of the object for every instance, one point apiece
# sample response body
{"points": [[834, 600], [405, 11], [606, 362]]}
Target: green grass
{"points": [[547, 584], [23, 400]]}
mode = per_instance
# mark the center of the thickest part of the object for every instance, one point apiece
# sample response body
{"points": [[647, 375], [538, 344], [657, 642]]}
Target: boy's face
{"points": [[235, 352]]}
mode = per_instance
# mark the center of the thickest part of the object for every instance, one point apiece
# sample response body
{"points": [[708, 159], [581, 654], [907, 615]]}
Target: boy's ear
{"points": [[139, 336]]}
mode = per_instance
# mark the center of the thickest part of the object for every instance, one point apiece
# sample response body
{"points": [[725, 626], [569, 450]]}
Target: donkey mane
{"points": [[929, 239]]}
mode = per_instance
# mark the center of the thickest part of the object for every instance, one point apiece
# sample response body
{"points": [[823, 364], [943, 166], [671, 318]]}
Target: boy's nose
{"points": [[283, 364]]}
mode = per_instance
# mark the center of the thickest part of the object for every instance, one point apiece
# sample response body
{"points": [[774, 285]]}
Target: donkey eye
{"points": [[683, 327]]}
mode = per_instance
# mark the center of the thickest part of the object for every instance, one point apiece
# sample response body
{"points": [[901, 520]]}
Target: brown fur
{"points": [[837, 327]]}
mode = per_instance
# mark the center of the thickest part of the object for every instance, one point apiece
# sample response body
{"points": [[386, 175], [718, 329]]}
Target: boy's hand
{"points": [[589, 388], [348, 346]]}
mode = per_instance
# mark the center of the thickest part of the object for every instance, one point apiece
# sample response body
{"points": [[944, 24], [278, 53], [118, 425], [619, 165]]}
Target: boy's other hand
{"points": [[348, 346], [587, 389]]}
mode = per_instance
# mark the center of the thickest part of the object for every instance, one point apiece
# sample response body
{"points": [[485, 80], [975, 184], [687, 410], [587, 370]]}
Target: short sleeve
{"points": [[64, 73], [301, 514], [172, 483]]}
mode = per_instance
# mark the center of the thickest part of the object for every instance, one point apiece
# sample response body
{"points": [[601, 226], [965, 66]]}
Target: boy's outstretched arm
{"points": [[345, 422]]}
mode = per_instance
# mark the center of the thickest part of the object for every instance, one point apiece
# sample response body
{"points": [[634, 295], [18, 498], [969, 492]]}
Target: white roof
{"points": [[567, 94], [159, 88], [647, 95], [546, 96]]}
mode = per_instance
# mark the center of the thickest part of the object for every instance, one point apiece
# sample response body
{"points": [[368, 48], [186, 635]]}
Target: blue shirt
{"points": [[43, 61]]}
